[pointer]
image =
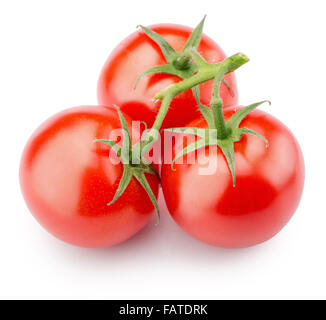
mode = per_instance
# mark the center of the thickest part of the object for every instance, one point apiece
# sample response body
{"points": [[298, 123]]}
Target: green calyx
{"points": [[134, 165], [220, 133], [181, 63]]}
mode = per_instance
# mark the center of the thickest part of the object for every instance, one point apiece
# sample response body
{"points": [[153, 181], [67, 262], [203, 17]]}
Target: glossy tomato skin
{"points": [[138, 53], [269, 184], [67, 180]]}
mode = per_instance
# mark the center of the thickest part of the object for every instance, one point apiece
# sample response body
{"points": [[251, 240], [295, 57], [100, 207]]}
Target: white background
{"points": [[51, 53]]}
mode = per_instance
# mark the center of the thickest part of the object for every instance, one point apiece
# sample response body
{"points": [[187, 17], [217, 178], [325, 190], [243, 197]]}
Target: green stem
{"points": [[206, 72], [217, 107]]}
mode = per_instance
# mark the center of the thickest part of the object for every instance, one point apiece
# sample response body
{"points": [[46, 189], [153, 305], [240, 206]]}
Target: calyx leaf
{"points": [[165, 68], [140, 176], [168, 52], [195, 37], [111, 144], [236, 119], [123, 184]]}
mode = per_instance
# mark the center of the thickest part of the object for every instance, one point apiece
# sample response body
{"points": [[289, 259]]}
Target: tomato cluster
{"points": [[86, 173]]}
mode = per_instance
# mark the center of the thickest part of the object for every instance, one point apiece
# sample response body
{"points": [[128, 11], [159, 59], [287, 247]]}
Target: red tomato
{"points": [[138, 53], [68, 181], [269, 184]]}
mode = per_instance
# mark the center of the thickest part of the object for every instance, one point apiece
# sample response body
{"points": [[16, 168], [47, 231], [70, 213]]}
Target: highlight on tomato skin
{"points": [[201, 197], [138, 53], [68, 180]]}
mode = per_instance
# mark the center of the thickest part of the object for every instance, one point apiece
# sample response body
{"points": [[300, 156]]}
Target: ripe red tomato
{"points": [[269, 184], [138, 53], [68, 181]]}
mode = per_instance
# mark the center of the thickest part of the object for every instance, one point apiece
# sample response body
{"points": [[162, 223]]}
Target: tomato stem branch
{"points": [[206, 72], [217, 107]]}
